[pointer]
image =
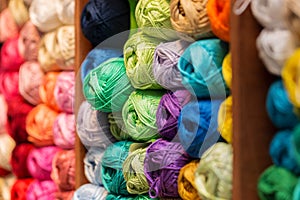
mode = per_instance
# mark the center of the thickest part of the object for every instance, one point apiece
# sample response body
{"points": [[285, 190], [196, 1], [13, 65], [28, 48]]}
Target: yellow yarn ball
{"points": [[225, 119], [227, 70]]}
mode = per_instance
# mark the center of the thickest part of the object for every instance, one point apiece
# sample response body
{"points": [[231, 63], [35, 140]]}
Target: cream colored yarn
{"points": [[19, 11], [5, 186], [7, 144], [65, 11]]}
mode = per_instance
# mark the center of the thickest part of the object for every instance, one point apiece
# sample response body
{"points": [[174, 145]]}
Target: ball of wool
{"points": [[186, 181], [139, 114], [274, 48], [117, 126], [295, 143], [6, 184], [293, 16], [97, 56], [19, 11], [107, 86], [138, 57], [219, 16], [102, 19], [153, 17], [65, 11], [9, 85], [19, 158], [162, 165], [3, 115], [201, 68], [64, 91], [44, 16], [290, 77], [213, 176], [42, 190], [63, 170], [8, 26], [93, 164], [279, 108], [7, 145], [296, 193], [190, 17], [92, 127], [276, 183], [131, 197], [31, 77], [198, 126], [19, 189], [30, 38], [165, 70], [168, 112], [39, 125], [89, 191], [225, 119], [64, 131], [111, 171], [227, 70], [39, 162]]}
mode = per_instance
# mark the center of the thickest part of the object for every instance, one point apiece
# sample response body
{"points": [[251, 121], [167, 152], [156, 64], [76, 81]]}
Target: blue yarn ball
{"points": [[89, 191], [97, 56], [198, 126], [282, 153], [279, 108], [201, 68]]}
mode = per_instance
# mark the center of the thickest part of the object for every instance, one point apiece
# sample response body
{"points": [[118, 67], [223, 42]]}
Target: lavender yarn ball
{"points": [[89, 191]]}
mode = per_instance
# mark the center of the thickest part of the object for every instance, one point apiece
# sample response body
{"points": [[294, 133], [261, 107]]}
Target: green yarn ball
{"points": [[107, 86], [276, 183], [117, 126], [139, 114]]}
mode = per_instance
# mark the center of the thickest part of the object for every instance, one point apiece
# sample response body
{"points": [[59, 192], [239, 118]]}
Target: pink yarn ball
{"points": [[42, 190], [8, 26], [64, 131]]}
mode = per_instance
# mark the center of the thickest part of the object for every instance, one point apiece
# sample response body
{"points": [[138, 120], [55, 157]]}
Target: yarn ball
{"points": [[19, 158], [296, 193], [225, 119], [107, 86], [111, 171], [293, 16], [281, 151], [274, 48], [3, 115], [295, 143], [132, 197], [97, 56], [19, 189], [65, 10], [63, 170], [11, 58], [168, 111], [92, 127], [198, 126], [102, 19], [139, 114], [276, 183], [201, 68], [46, 90], [39, 162], [290, 77], [165, 70], [191, 18], [186, 181], [9, 85], [64, 91], [6, 184], [219, 16], [153, 18], [89, 191], [7, 145], [8, 26], [270, 15], [92, 165], [42, 190], [30, 38], [162, 165], [31, 77], [213, 176], [138, 57], [64, 131], [117, 126], [227, 70], [64, 195], [279, 108], [19, 11], [44, 16], [39, 125]]}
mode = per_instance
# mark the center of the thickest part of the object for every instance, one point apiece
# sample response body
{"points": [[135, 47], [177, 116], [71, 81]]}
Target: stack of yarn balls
{"points": [[150, 120]]}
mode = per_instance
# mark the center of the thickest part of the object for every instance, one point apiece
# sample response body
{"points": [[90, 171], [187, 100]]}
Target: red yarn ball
{"points": [[19, 189], [9, 85]]}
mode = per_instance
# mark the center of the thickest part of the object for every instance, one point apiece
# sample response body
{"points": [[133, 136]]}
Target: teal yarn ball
{"points": [[107, 87], [296, 143], [296, 194], [112, 162], [133, 197], [201, 68], [139, 114]]}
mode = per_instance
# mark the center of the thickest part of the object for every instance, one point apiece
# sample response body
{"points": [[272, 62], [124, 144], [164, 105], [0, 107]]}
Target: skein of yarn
{"points": [[7, 145], [166, 56], [30, 78], [227, 70], [65, 10], [8, 26], [117, 126], [275, 47], [213, 176], [64, 131], [89, 191], [42, 190], [296, 143], [132, 197], [5, 186], [139, 114], [46, 90], [190, 17], [293, 16], [93, 164], [19, 11], [200, 66], [168, 112], [197, 126], [162, 165], [19, 189], [9, 85], [225, 119]]}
